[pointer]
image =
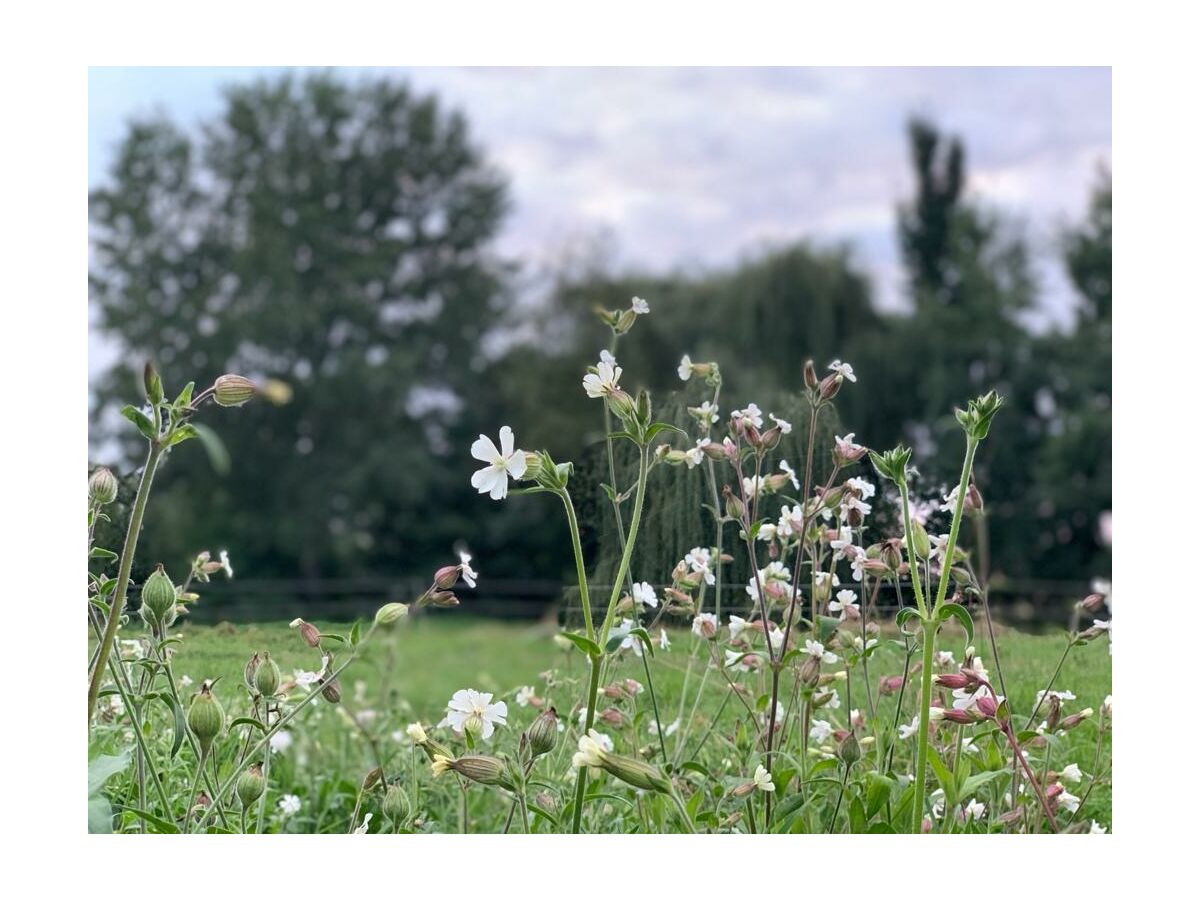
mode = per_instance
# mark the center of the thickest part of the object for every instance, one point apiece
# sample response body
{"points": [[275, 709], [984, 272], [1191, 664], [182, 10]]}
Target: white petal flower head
{"points": [[468, 574], [643, 594], [820, 731], [844, 369], [844, 603], [787, 470], [365, 827], [225, 564], [974, 810], [280, 741], [904, 732], [1097, 828], [817, 650], [502, 463], [471, 710], [591, 751], [640, 306], [736, 626], [784, 426], [705, 625], [1068, 801], [664, 642], [524, 695], [762, 780], [685, 368], [603, 381], [1072, 773], [289, 804], [606, 357]]}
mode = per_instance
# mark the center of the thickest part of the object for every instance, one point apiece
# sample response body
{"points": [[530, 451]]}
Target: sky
{"points": [[700, 167]]}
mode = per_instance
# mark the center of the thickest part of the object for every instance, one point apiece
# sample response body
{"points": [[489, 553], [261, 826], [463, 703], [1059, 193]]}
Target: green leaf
{"points": [[101, 553], [100, 811], [143, 422], [858, 816], [246, 720], [218, 456], [181, 434], [659, 427], [958, 611], [158, 826], [185, 396], [355, 633], [905, 616], [587, 645], [879, 788]]}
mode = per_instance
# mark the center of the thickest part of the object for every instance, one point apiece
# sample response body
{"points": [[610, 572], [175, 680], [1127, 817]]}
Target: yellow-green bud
{"points": [[390, 613], [543, 733], [251, 785], [205, 717], [483, 769], [233, 390], [266, 676], [395, 803], [153, 384], [636, 773], [920, 539], [102, 487], [158, 594]]}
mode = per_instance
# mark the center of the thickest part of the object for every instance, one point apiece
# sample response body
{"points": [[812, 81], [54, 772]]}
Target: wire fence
{"points": [[1027, 603]]}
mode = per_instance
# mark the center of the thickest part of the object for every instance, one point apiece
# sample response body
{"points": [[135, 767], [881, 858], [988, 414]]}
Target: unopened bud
{"points": [[308, 632], [158, 594], [636, 773], [266, 676], [153, 384], [390, 613], [1091, 604], [102, 487], [849, 751], [483, 769], [395, 803], [205, 717], [233, 390], [1073, 720], [543, 732], [890, 684], [446, 577], [251, 785], [829, 386], [248, 672], [810, 375]]}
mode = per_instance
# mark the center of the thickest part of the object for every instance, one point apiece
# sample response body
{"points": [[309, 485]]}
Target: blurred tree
{"points": [[333, 237]]}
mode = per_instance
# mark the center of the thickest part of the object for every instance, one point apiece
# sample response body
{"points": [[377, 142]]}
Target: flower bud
{"points": [[205, 717], [390, 613], [734, 508], [542, 734], [1071, 721], [308, 632], [974, 501], [266, 676], [829, 386], [890, 684], [636, 773], [153, 384], [849, 752], [446, 577], [482, 769], [372, 778], [810, 375], [920, 539], [395, 803], [251, 785], [102, 487], [331, 690], [158, 594], [1091, 604], [233, 390]]}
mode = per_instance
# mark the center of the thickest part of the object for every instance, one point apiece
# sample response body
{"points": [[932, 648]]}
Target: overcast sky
{"points": [[699, 166]]}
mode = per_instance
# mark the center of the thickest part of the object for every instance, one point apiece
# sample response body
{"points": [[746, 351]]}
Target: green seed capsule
{"points": [[266, 676], [233, 390], [543, 732], [158, 595], [205, 717], [251, 785], [102, 487], [395, 803]]}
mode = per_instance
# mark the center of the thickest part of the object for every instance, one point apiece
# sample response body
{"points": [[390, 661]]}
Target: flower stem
{"points": [[928, 638], [580, 570], [948, 560], [127, 553]]}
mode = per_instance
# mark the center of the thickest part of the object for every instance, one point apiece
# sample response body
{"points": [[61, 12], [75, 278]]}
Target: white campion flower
{"points": [[628, 641], [861, 647], [736, 626], [225, 564], [706, 412], [524, 695], [1068, 801], [787, 470], [817, 650], [699, 560], [845, 602], [752, 484], [603, 381], [640, 306], [685, 368], [664, 642], [185, 681], [606, 357], [863, 486], [762, 780], [1072, 773], [289, 804], [1106, 707], [468, 574], [1097, 828], [844, 369], [643, 594], [820, 731], [846, 446], [736, 659], [471, 710], [417, 732], [693, 456], [904, 732], [280, 741], [768, 532], [591, 751], [668, 731], [365, 827], [751, 414], [944, 658], [502, 464], [974, 811], [784, 426], [705, 625]]}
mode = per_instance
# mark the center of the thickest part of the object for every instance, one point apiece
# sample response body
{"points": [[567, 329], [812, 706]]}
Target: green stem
{"points": [[127, 553], [948, 560], [580, 570], [581, 777], [914, 573], [929, 635], [639, 500], [683, 813]]}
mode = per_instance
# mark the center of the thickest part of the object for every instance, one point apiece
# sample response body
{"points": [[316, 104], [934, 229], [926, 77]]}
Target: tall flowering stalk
{"points": [[932, 612]]}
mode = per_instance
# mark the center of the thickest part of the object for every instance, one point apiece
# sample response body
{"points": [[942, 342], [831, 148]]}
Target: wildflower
{"points": [[664, 642], [606, 357], [871, 643], [705, 625], [1106, 707], [944, 658], [844, 369], [417, 733], [973, 811], [308, 632], [1061, 695], [468, 574], [817, 650], [845, 605], [503, 463], [846, 450], [281, 741], [762, 780], [904, 732], [1097, 828], [768, 532], [185, 681], [525, 695], [694, 455], [735, 659], [643, 594], [820, 731], [699, 560], [640, 306], [1068, 801], [225, 564], [706, 412], [790, 473], [736, 626], [752, 414], [685, 368], [628, 641], [365, 826], [949, 501], [1071, 773], [784, 426], [289, 804], [473, 711], [603, 381]]}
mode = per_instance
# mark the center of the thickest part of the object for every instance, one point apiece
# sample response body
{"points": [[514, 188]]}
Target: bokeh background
{"points": [[419, 253]]}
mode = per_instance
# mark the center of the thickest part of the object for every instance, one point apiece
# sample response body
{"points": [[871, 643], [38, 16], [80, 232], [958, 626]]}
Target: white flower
{"points": [[364, 828], [606, 357], [524, 695], [762, 780], [668, 731], [1106, 707], [846, 446], [1097, 828], [817, 650], [861, 647], [502, 463], [1068, 801], [628, 641], [1061, 695], [768, 532], [974, 811], [289, 804], [706, 412], [820, 731], [280, 741], [1102, 624], [664, 642], [640, 306], [784, 426], [845, 602], [790, 472], [752, 485], [736, 659], [736, 626], [904, 732], [844, 369], [705, 625], [185, 681], [471, 710], [944, 658], [1072, 773], [751, 413], [693, 456], [417, 733], [468, 574], [603, 381], [861, 485], [685, 368], [699, 559], [225, 564], [643, 594], [591, 751]]}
